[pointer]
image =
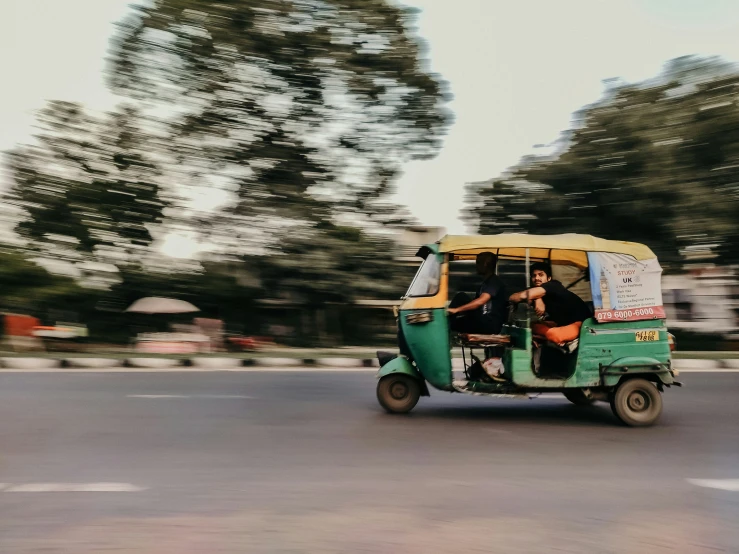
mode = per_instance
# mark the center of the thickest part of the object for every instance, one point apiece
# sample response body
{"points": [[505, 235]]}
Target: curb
{"points": [[697, 364], [339, 362], [226, 363], [216, 363], [30, 363], [280, 362], [91, 363], [151, 363]]}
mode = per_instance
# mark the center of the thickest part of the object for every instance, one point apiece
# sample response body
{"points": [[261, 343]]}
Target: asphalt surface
{"points": [[307, 462]]}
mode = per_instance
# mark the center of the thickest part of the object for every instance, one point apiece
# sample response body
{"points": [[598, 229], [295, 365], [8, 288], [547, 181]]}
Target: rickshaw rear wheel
{"points": [[637, 403], [398, 393], [578, 397]]}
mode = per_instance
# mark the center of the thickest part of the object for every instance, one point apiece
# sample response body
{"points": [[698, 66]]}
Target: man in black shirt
{"points": [[563, 310], [487, 312]]}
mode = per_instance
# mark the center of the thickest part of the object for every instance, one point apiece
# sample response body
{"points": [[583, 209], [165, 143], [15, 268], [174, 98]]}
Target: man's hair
{"points": [[488, 259], [540, 266]]}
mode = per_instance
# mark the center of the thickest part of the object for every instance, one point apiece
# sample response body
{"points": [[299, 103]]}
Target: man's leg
{"points": [[542, 328], [567, 333]]}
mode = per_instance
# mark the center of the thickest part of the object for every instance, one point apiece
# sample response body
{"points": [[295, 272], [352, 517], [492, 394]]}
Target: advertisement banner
{"points": [[625, 289]]}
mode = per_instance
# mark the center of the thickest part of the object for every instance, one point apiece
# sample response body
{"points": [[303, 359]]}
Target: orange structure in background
{"points": [[17, 325]]}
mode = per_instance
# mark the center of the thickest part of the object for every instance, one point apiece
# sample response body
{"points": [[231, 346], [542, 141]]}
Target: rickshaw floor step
{"points": [[487, 389]]}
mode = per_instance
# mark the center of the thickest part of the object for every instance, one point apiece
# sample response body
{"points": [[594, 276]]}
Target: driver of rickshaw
{"points": [[561, 310], [487, 312]]}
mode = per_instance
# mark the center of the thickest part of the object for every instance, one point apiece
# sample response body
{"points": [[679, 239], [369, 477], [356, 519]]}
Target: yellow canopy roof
{"points": [[569, 248]]}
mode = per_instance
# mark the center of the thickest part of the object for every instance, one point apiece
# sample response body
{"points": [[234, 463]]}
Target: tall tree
{"points": [[88, 187], [304, 110], [305, 106], [654, 162]]}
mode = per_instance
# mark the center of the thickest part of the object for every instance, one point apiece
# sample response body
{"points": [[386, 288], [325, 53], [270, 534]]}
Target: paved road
{"points": [[307, 462]]}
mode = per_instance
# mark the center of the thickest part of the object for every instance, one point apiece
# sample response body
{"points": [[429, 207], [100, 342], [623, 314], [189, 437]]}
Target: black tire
{"points": [[637, 403], [398, 393], [577, 397]]}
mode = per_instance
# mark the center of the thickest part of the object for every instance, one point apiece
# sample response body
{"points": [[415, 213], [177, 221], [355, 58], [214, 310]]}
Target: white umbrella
{"points": [[157, 305]]}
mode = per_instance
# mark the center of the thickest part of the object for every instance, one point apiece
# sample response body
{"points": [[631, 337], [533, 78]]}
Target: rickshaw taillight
{"points": [[671, 341]]}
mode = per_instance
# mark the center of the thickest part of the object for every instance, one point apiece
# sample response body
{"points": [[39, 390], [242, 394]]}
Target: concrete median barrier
{"points": [[30, 363], [339, 362], [278, 362], [217, 363], [92, 363], [686, 363], [153, 363]]}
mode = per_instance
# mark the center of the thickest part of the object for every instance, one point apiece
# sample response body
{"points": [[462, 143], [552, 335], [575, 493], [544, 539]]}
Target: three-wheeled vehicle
{"points": [[622, 355]]}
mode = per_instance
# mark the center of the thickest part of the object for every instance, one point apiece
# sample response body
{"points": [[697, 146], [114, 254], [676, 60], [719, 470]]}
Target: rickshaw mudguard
{"points": [[612, 373], [402, 365]]}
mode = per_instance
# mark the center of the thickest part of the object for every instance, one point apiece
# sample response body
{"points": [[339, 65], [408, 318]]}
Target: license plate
{"points": [[647, 336]]}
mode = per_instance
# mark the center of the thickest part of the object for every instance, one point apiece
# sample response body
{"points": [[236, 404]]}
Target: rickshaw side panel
{"points": [[429, 345], [607, 353], [517, 359], [605, 349]]}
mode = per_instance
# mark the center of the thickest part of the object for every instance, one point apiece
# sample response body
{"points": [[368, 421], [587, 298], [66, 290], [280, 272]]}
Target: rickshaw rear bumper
{"points": [[395, 363], [652, 369]]}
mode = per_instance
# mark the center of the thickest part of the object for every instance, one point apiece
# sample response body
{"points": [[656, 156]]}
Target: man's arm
{"points": [[476, 303], [530, 294]]}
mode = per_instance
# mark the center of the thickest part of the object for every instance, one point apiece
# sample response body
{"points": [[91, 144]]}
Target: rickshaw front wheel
{"points": [[398, 393], [637, 403]]}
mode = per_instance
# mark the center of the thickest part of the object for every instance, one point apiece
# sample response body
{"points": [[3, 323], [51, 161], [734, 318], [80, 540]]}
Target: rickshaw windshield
{"points": [[426, 281]]}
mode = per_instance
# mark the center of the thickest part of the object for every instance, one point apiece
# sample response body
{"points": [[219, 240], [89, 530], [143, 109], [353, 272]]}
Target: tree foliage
{"points": [[298, 113], [653, 162], [305, 106], [88, 187]]}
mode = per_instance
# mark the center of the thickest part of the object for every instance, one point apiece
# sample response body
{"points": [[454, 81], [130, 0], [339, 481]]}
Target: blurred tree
{"points": [[654, 162], [331, 263], [88, 187], [28, 288], [300, 104], [304, 112]]}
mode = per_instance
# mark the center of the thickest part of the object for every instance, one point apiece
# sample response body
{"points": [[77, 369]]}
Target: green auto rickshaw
{"points": [[622, 354]]}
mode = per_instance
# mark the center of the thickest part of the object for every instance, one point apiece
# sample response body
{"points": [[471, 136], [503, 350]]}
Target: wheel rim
{"points": [[638, 401], [398, 390]]}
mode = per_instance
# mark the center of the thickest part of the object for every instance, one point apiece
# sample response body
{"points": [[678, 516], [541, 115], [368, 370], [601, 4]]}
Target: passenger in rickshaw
{"points": [[488, 311], [561, 310]]}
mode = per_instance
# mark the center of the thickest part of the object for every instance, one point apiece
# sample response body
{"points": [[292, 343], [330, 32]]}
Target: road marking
{"points": [[73, 487], [722, 484], [157, 396]]}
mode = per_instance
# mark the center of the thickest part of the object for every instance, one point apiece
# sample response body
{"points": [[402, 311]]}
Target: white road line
{"points": [[223, 396], [74, 487], [722, 484], [157, 396]]}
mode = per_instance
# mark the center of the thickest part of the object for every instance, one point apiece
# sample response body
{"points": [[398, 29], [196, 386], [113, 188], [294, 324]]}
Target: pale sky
{"points": [[518, 69]]}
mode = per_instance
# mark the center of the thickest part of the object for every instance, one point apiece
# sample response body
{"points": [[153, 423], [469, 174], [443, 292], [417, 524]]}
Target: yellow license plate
{"points": [[647, 336]]}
